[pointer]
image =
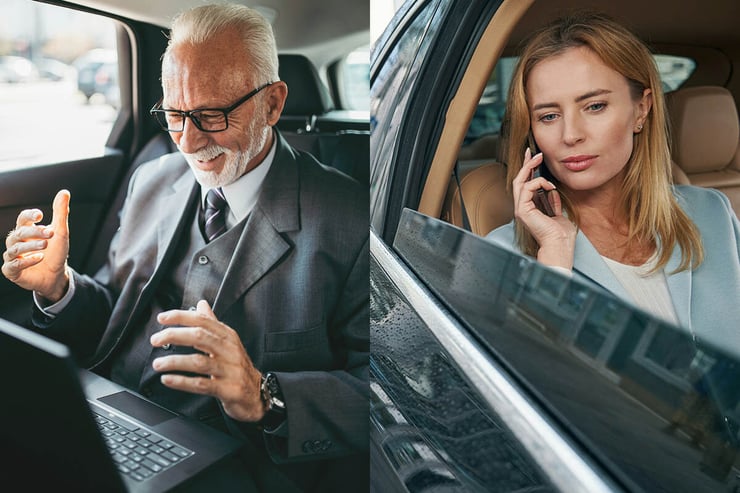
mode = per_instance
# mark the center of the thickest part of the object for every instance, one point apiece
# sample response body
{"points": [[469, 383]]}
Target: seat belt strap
{"points": [[466, 222]]}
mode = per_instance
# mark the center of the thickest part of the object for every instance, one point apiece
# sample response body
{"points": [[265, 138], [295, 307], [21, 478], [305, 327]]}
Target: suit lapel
{"points": [[173, 206], [178, 214], [591, 265], [182, 211], [679, 285], [261, 245]]}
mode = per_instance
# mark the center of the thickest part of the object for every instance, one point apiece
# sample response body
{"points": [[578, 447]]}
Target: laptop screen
{"points": [[48, 439]]}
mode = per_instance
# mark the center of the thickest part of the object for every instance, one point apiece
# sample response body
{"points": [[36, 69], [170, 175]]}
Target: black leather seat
{"points": [[308, 97], [301, 123]]}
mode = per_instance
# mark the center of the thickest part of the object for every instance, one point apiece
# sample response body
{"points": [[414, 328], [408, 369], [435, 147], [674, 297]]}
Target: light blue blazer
{"points": [[706, 300]]}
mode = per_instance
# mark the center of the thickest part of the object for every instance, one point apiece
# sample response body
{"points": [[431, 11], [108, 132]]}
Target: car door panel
{"points": [[92, 184]]}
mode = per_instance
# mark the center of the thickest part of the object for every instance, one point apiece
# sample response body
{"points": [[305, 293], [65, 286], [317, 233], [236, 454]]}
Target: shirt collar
{"points": [[242, 194]]}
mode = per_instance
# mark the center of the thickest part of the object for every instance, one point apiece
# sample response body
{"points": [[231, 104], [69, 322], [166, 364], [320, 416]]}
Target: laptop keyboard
{"points": [[137, 452]]}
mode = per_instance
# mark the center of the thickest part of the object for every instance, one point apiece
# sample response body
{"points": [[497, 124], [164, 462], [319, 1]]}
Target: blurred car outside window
{"points": [[355, 80], [62, 64]]}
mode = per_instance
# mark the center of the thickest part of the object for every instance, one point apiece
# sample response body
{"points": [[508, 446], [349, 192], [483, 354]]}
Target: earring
{"points": [[639, 127]]}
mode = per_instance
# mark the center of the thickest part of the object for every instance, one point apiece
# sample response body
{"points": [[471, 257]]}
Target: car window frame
{"points": [[434, 87]]}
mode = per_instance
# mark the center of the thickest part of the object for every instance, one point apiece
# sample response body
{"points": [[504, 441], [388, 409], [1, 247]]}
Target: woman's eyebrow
{"points": [[582, 97], [590, 94]]}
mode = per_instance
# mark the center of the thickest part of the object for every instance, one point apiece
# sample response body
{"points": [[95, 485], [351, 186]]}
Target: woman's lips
{"points": [[578, 163]]}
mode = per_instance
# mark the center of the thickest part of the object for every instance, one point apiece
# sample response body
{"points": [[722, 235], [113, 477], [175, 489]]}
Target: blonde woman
{"points": [[586, 110]]}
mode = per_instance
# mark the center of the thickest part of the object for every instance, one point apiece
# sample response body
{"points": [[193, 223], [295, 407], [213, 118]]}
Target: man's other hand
{"points": [[36, 255], [227, 371]]}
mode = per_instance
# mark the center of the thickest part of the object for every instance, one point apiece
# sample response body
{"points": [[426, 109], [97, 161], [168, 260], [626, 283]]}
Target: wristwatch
{"points": [[272, 397]]}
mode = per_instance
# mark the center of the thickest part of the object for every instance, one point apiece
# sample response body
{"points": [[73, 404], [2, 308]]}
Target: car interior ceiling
{"points": [[703, 116]]}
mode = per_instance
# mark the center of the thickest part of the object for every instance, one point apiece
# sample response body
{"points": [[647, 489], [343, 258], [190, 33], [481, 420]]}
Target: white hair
{"points": [[199, 24]]}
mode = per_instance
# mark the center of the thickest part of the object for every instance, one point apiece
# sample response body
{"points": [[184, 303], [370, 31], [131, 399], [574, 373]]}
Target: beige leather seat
{"points": [[705, 132], [487, 202]]}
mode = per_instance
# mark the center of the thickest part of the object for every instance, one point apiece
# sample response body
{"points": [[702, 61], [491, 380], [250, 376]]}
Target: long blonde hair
{"points": [[649, 204]]}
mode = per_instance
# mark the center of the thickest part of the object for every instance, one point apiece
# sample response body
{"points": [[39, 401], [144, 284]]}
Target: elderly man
{"points": [[236, 289]]}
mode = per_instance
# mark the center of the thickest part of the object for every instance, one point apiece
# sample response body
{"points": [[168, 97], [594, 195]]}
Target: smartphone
{"points": [[541, 199]]}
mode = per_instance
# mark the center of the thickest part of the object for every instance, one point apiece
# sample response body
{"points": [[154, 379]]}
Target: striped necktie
{"points": [[215, 213]]}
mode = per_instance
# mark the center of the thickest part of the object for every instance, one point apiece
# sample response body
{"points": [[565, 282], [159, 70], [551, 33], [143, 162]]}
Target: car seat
{"points": [[705, 134]]}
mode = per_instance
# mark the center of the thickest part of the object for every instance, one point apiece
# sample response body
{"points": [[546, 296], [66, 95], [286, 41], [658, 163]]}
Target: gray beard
{"points": [[236, 161]]}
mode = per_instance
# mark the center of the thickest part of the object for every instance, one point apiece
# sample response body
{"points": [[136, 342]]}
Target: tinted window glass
{"points": [[659, 409], [389, 95], [59, 93]]}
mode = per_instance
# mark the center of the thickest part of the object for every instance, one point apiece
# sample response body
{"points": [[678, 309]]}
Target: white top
{"points": [[648, 291]]}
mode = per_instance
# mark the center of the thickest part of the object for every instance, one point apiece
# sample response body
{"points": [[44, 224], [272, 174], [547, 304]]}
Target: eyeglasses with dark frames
{"points": [[206, 119]]}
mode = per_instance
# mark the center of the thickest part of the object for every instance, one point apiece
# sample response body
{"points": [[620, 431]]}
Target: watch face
{"points": [[271, 392], [272, 384]]}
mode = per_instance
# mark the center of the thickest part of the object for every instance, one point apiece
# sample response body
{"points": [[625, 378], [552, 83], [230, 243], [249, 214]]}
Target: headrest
{"points": [[704, 127], [307, 95]]}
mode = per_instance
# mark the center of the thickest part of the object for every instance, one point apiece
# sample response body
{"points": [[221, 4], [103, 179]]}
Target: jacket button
{"points": [[203, 260]]}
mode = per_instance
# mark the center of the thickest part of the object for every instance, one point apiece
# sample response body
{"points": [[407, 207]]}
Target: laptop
{"points": [[63, 428]]}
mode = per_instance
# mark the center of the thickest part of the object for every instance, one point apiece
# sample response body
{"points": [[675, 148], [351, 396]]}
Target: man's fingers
{"points": [[60, 217], [25, 233], [28, 217], [23, 248], [195, 337], [194, 385], [13, 268], [205, 309], [199, 363]]}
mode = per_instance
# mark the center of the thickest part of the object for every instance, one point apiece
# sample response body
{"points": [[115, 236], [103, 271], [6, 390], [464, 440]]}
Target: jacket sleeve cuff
{"points": [[54, 309]]}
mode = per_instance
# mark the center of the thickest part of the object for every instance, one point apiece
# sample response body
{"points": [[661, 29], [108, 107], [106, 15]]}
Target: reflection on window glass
{"points": [[574, 298], [355, 74], [551, 284], [659, 405], [61, 64]]}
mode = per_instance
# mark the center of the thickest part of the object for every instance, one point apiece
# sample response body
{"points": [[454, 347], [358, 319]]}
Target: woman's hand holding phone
{"points": [[537, 205]]}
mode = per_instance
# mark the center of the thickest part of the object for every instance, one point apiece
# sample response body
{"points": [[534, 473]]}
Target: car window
{"points": [[59, 92], [391, 86], [658, 405], [354, 80], [673, 70]]}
